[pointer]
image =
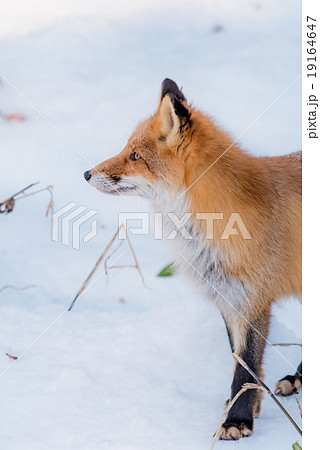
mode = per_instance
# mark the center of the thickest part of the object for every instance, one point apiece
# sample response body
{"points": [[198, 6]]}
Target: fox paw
{"points": [[232, 431], [289, 385]]}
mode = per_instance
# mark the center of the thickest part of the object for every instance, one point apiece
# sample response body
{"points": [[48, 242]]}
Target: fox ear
{"points": [[174, 116], [170, 87]]}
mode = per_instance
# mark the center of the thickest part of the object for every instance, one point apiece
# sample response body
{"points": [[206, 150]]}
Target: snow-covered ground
{"points": [[150, 371]]}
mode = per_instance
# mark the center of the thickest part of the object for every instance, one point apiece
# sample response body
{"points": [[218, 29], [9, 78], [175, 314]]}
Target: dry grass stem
{"points": [[97, 264], [103, 256], [7, 205], [286, 345], [299, 405], [244, 388], [135, 258], [9, 286], [135, 266]]}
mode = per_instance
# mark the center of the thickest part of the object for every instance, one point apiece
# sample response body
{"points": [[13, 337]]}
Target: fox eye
{"points": [[134, 156]]}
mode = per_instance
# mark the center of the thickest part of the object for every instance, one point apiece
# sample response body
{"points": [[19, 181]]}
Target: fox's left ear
{"points": [[170, 87], [174, 117]]}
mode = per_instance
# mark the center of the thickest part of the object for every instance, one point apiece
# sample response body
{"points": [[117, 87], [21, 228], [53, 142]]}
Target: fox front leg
{"points": [[248, 341]]}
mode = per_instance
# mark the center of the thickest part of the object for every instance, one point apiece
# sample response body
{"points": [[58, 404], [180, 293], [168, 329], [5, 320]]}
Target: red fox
{"points": [[178, 160]]}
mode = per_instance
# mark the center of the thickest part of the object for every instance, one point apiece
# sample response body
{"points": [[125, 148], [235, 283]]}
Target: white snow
{"points": [[152, 372]]}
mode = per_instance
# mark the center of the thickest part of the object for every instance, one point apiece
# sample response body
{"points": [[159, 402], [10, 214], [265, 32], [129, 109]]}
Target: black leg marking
{"points": [[239, 422], [242, 409], [229, 335]]}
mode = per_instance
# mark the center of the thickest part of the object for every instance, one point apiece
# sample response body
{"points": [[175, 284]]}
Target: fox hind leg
{"points": [[290, 384]]}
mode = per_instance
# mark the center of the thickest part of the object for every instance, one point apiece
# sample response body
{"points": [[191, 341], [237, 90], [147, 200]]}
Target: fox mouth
{"points": [[112, 185], [114, 189]]}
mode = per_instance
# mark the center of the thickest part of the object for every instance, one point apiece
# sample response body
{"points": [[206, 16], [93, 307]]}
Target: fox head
{"points": [[158, 153]]}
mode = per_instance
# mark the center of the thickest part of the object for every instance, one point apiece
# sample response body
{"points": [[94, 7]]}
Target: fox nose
{"points": [[87, 175]]}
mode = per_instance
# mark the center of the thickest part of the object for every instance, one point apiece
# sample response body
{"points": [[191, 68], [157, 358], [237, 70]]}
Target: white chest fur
{"points": [[198, 259]]}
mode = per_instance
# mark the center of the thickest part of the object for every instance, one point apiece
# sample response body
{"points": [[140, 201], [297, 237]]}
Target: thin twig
{"points": [[48, 188], [7, 286], [9, 203], [97, 264], [106, 268], [244, 388], [21, 191], [114, 250], [286, 345], [126, 266], [298, 403], [135, 258], [243, 364], [136, 266], [50, 204]]}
